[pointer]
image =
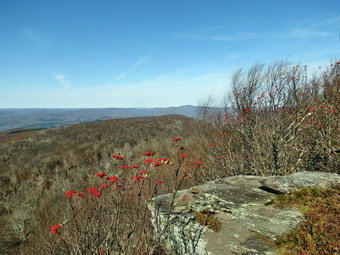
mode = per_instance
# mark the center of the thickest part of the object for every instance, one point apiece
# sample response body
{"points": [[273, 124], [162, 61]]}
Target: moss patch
{"points": [[319, 233]]}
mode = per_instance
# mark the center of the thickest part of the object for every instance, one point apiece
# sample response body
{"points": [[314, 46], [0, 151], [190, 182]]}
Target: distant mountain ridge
{"points": [[12, 118]]}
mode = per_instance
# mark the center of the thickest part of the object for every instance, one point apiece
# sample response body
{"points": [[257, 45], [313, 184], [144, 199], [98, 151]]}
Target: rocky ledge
{"points": [[250, 223]]}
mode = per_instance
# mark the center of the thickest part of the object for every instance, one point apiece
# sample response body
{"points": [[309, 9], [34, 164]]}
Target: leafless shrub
{"points": [[281, 122], [41, 167]]}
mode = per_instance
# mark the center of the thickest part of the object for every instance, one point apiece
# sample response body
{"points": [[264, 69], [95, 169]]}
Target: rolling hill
{"points": [[48, 118]]}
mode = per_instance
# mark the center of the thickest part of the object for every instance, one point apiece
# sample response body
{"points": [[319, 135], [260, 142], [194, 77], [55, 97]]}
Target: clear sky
{"points": [[151, 53]]}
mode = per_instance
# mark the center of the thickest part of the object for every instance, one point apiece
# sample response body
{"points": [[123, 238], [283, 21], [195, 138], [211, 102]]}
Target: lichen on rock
{"points": [[250, 223]]}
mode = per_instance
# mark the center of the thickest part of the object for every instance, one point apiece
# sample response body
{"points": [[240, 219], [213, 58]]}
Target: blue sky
{"points": [[151, 53]]}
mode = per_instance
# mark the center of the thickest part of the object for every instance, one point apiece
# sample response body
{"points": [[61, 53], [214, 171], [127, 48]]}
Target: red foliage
{"points": [[70, 193], [55, 228]]}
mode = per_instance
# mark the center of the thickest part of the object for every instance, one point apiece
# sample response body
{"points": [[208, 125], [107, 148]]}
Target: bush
{"points": [[275, 121]]}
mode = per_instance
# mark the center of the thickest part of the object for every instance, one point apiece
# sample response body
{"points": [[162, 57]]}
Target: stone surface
{"points": [[250, 223]]}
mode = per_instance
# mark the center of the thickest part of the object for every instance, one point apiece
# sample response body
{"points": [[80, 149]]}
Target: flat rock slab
{"points": [[250, 224]]}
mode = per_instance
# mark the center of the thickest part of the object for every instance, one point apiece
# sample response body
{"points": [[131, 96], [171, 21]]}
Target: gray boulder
{"points": [[250, 223]]}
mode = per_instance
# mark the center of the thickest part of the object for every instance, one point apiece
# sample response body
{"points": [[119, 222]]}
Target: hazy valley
{"points": [[27, 118]]}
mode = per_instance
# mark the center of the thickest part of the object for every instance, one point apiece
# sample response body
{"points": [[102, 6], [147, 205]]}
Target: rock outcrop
{"points": [[250, 223]]}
